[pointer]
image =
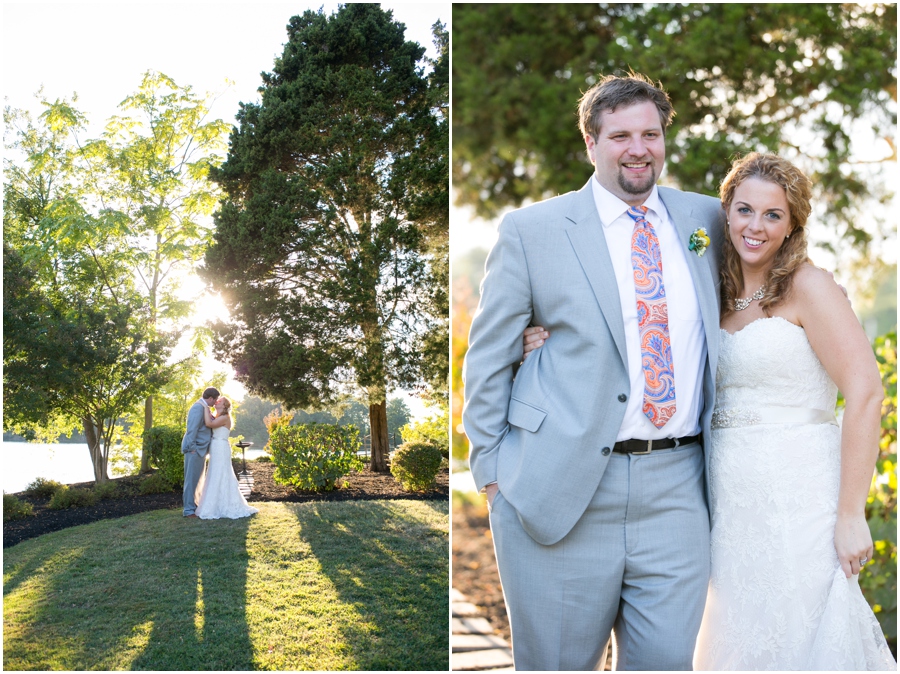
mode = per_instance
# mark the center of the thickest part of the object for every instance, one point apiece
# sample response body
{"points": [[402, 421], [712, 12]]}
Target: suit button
{"points": [[605, 451], [622, 397]]}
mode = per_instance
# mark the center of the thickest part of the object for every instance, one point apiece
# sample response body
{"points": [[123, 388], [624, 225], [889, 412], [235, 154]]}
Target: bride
{"points": [[788, 486], [220, 496]]}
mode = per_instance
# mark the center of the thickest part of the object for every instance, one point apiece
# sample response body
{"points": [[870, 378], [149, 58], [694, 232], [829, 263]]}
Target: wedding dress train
{"points": [[220, 496]]}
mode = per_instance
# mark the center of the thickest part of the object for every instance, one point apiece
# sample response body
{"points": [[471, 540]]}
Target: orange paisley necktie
{"points": [[653, 321]]}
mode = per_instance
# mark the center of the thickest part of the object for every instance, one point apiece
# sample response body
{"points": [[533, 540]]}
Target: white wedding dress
{"points": [[220, 496], [778, 599]]}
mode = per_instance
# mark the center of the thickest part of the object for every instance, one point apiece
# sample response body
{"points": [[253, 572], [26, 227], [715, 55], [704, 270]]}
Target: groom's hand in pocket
{"points": [[491, 491]]}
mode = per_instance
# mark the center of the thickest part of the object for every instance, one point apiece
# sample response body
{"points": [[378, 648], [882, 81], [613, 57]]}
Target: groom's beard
{"points": [[638, 186]]}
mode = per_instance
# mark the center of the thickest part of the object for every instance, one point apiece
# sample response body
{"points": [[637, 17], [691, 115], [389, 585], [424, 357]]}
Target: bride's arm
{"points": [[532, 339], [215, 422], [841, 344]]}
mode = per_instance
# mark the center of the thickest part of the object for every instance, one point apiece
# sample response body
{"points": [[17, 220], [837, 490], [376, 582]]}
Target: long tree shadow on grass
{"points": [[392, 567], [127, 593], [205, 625]]}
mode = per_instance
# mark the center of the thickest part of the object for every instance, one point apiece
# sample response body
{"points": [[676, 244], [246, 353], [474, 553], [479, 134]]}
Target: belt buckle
{"points": [[649, 448]]}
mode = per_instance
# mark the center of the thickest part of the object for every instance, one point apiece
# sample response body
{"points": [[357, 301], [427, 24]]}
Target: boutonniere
{"points": [[699, 241]]}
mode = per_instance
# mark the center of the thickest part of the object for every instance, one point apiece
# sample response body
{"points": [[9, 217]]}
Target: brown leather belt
{"points": [[647, 446]]}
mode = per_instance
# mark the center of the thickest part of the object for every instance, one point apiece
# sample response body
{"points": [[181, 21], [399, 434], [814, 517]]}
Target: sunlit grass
{"points": [[313, 586]]}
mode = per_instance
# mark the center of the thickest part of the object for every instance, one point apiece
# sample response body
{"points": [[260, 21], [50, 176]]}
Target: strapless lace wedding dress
{"points": [[220, 496], [778, 598]]}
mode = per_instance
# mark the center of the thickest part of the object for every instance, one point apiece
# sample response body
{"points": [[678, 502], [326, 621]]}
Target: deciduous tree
{"points": [[82, 348], [151, 169]]}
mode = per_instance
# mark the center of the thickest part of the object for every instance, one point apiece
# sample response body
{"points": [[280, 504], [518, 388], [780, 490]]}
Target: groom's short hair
{"points": [[612, 92], [210, 393]]}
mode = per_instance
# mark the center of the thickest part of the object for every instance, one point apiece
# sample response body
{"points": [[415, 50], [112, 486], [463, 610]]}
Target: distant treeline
{"points": [[62, 439]]}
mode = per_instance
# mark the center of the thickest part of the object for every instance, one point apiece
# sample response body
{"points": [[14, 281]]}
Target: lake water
{"points": [[66, 463]]}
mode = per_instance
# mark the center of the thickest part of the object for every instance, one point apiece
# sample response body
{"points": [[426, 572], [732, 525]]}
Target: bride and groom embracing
{"points": [[215, 493], [666, 467]]}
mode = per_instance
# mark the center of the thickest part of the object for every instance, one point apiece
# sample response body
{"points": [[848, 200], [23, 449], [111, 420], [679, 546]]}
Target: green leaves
{"points": [[314, 456], [879, 582], [801, 81]]}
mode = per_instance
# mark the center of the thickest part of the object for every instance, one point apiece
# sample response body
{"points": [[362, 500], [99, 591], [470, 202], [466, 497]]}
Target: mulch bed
{"points": [[359, 486], [474, 566]]}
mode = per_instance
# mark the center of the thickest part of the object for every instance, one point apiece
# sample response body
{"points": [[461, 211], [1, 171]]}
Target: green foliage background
{"points": [[433, 430], [879, 579], [314, 456]]}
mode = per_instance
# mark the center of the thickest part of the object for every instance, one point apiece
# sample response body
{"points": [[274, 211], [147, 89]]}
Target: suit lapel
{"points": [[586, 237], [703, 269]]}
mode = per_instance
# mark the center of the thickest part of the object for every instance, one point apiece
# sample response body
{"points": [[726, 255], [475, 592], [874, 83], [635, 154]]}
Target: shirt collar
{"points": [[610, 207]]}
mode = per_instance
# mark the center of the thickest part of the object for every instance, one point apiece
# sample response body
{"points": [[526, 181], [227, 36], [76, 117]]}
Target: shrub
{"points": [[415, 464], [15, 509], [106, 490], [156, 483], [264, 458], [42, 488], [163, 443], [314, 456], [67, 497], [433, 430], [277, 418]]}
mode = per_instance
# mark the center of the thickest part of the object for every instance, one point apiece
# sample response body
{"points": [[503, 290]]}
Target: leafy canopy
{"points": [[806, 81]]}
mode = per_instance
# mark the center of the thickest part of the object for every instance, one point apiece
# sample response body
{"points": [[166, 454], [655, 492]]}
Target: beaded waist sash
{"points": [[736, 417]]}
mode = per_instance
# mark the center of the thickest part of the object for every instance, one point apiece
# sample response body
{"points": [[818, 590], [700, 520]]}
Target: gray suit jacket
{"points": [[198, 435], [544, 433]]}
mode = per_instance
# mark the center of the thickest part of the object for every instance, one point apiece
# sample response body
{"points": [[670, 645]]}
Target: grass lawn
{"points": [[353, 585]]}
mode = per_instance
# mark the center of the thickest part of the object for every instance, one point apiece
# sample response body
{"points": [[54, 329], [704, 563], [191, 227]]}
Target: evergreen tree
{"points": [[320, 248]]}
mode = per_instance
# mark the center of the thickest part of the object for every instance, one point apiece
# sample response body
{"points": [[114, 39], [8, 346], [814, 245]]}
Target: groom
{"points": [[591, 454], [194, 446]]}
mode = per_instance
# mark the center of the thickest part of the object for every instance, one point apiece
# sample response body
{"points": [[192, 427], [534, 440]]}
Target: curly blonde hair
{"points": [[792, 254], [227, 402]]}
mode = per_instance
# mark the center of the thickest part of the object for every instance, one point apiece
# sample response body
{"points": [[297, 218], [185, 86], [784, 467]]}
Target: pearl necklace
{"points": [[741, 304]]}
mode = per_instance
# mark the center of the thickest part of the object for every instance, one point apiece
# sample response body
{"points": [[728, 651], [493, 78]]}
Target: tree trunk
{"points": [[96, 451], [148, 424], [379, 429]]}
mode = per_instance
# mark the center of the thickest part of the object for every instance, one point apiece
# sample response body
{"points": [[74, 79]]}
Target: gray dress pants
{"points": [[635, 565], [194, 463]]}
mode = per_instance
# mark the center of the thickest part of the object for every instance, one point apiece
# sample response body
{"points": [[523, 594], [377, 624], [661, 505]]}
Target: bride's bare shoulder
{"points": [[810, 278]]}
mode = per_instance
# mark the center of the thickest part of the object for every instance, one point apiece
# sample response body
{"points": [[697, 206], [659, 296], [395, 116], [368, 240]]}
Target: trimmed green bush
{"points": [[433, 430], [68, 497], [41, 487], [106, 490], [156, 483], [15, 509], [415, 464], [163, 443], [314, 456]]}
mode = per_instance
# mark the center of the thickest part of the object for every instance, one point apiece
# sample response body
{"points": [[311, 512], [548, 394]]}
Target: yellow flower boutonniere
{"points": [[699, 241]]}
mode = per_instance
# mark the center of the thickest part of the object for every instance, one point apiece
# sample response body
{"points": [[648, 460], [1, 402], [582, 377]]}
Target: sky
{"points": [[100, 51]]}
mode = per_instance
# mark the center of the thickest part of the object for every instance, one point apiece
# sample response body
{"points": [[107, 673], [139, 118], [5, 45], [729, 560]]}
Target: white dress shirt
{"points": [[686, 335]]}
